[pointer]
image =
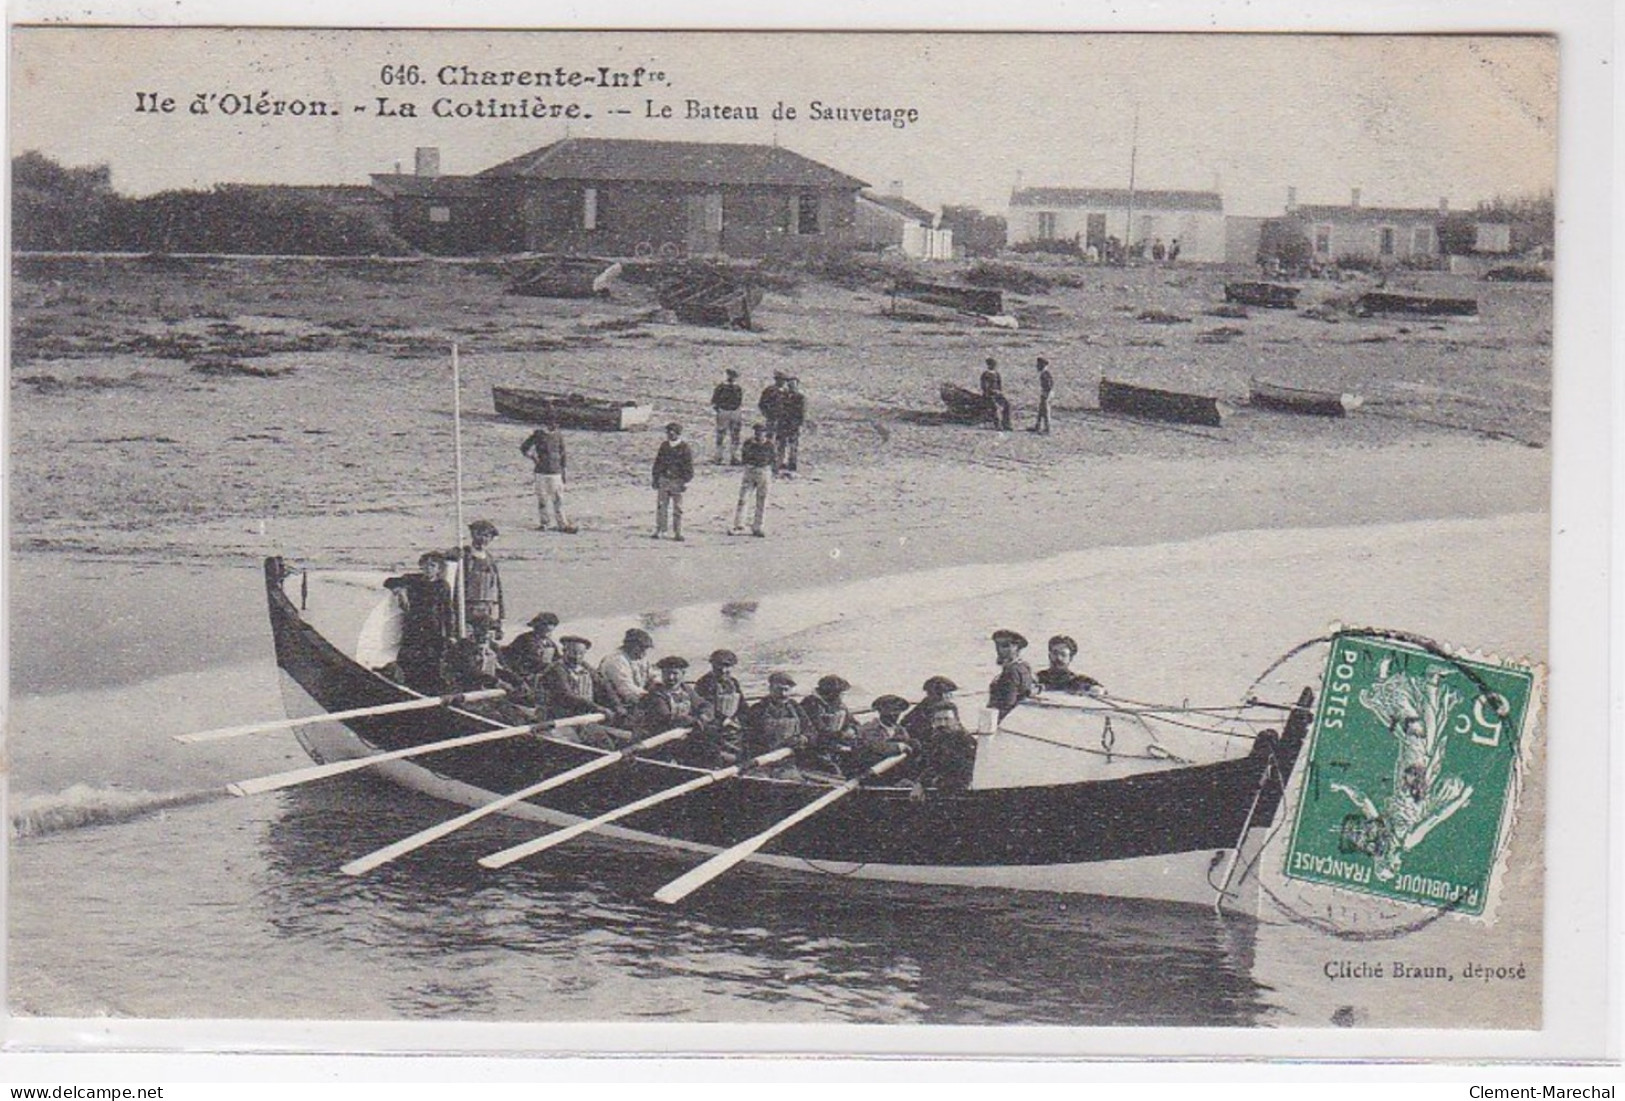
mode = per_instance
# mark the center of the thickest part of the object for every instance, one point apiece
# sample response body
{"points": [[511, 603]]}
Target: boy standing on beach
{"points": [[727, 400], [673, 470], [545, 449]]}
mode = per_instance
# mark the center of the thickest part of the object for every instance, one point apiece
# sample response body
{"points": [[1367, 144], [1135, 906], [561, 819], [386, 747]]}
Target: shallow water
{"points": [[138, 889]]}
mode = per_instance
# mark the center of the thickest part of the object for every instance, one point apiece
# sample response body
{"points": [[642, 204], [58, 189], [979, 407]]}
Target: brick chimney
{"points": [[428, 161], [1354, 198]]}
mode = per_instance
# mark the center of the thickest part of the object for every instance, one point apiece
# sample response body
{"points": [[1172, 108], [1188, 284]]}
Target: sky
{"points": [[1407, 119]]}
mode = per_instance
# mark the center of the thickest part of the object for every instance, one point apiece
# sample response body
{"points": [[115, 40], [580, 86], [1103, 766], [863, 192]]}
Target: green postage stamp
{"points": [[1413, 772]]}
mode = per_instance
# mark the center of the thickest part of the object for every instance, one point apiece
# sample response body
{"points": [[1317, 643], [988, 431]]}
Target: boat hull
{"points": [[569, 410], [1161, 405], [964, 405], [1155, 835], [1275, 296], [1373, 303], [1289, 399]]}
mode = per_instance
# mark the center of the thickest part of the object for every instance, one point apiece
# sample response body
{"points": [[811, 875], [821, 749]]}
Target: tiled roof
{"points": [[397, 184], [1112, 198], [900, 205], [1369, 213], [673, 162]]}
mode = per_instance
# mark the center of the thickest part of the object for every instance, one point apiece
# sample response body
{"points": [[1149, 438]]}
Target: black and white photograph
{"points": [[678, 527]]}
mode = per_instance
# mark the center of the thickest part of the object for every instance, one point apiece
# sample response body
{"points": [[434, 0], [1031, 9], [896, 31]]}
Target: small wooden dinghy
{"points": [[1161, 405], [963, 405], [984, 301], [1275, 296], [566, 277], [569, 410], [1373, 303], [1292, 399]]}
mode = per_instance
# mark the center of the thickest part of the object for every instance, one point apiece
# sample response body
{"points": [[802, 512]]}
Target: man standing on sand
{"points": [[998, 406], [727, 400], [792, 414], [771, 403], [1046, 386], [759, 458], [545, 449], [673, 470]]}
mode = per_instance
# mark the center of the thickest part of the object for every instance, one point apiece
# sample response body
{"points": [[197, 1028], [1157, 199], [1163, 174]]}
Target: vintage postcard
{"points": [[745, 528]]}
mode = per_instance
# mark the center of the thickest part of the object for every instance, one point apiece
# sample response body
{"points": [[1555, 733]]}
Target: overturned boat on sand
{"points": [[569, 410], [1068, 793]]}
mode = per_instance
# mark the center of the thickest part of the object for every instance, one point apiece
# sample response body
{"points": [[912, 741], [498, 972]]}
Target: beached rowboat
{"points": [[1373, 303], [1061, 800], [570, 410], [1161, 405], [1292, 399], [964, 405], [566, 277], [1276, 296]]}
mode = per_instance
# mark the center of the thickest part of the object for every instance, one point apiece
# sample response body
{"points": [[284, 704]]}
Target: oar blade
{"points": [[224, 732], [691, 881], [379, 857]]}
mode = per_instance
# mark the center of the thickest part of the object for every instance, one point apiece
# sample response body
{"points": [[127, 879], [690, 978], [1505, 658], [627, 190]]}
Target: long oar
{"points": [[685, 885], [558, 837], [451, 825], [354, 713], [322, 772]]}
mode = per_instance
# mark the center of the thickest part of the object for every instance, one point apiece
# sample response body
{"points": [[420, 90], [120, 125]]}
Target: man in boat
{"points": [[715, 740], [428, 625], [947, 751], [1046, 387], [473, 662], [760, 458], [832, 725], [792, 415], [481, 581], [673, 470], [545, 449], [727, 401], [1015, 680], [569, 686], [1059, 677], [527, 657], [998, 405], [668, 702], [882, 736], [624, 675], [775, 721]]}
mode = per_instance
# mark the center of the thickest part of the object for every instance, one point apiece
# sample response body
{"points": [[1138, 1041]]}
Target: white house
{"points": [[1091, 215], [891, 221]]}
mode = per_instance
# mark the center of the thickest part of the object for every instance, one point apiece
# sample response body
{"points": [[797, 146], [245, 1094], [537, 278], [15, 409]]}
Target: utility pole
{"points": [[1133, 155]]}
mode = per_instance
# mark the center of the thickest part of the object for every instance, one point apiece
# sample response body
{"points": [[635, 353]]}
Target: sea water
{"points": [[139, 889]]}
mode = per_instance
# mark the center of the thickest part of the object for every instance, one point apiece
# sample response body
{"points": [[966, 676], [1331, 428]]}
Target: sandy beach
{"points": [[218, 410]]}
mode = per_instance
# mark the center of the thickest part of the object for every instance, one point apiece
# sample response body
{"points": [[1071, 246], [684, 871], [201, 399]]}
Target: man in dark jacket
{"points": [[792, 415], [775, 721], [772, 402], [832, 725], [545, 449], [1046, 387], [527, 657], [716, 740], [727, 400], [429, 623], [760, 459], [673, 470], [1015, 680], [1060, 676], [569, 685], [998, 406]]}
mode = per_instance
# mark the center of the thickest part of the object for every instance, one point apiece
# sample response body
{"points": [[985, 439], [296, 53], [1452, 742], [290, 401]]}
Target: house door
{"points": [[1095, 232], [704, 223]]}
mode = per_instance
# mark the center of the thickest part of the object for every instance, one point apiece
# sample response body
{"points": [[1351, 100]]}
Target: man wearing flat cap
{"points": [[480, 582], [727, 401], [787, 435], [430, 623], [569, 686], [775, 721], [1015, 680], [669, 702], [715, 740], [998, 406], [624, 675], [1046, 386], [882, 736], [771, 403], [526, 658], [1060, 677], [947, 750], [832, 725], [673, 470]]}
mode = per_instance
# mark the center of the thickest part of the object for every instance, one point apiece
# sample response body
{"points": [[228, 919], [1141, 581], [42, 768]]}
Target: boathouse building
{"points": [[1088, 216], [615, 197]]}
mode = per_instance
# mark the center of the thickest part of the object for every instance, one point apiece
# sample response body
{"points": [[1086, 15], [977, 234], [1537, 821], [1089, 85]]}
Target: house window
{"points": [[1385, 240], [589, 208], [440, 215], [1323, 240], [1422, 241], [1046, 225], [804, 213]]}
